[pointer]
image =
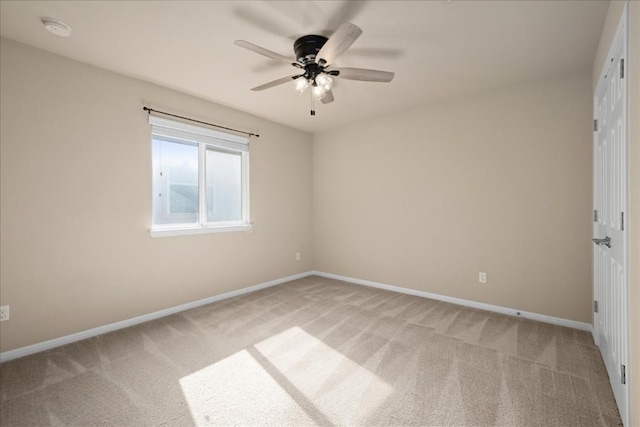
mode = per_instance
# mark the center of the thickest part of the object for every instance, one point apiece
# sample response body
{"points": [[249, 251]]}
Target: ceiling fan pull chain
{"points": [[313, 101]]}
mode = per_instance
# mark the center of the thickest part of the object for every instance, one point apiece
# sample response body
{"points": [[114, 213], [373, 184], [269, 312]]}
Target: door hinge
{"points": [[595, 306], [622, 221], [595, 215], [595, 125], [622, 68], [623, 374]]}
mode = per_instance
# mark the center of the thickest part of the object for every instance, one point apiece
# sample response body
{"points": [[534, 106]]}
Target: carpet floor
{"points": [[316, 351]]}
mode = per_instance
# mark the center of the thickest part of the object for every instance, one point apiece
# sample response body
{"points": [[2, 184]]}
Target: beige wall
{"points": [[423, 199], [499, 183], [611, 24], [76, 202]]}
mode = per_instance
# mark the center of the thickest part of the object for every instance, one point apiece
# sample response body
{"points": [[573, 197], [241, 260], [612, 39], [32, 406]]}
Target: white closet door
{"points": [[610, 218]]}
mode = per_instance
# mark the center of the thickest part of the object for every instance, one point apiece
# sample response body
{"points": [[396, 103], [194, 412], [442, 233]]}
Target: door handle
{"points": [[603, 242]]}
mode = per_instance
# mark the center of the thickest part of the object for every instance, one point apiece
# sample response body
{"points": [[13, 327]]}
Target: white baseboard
{"points": [[67, 339], [459, 301], [57, 342]]}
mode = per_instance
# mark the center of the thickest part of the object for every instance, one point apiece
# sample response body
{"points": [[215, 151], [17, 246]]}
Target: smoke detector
{"points": [[57, 27]]}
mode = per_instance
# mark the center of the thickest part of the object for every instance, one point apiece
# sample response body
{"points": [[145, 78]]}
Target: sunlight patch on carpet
{"points": [[290, 378], [238, 390], [325, 376]]}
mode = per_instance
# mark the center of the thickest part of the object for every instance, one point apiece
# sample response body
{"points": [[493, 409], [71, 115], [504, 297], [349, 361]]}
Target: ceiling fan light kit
{"points": [[315, 55]]}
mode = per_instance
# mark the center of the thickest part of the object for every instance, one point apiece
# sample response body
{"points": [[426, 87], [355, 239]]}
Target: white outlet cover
{"points": [[482, 277], [4, 313]]}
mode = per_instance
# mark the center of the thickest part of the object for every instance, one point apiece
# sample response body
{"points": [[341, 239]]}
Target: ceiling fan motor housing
{"points": [[307, 47]]}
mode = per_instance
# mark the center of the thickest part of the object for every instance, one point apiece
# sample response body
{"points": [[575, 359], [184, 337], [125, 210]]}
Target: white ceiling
{"points": [[438, 49]]}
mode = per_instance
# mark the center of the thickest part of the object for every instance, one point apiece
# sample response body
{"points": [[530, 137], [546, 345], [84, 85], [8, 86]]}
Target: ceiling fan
{"points": [[314, 57]]}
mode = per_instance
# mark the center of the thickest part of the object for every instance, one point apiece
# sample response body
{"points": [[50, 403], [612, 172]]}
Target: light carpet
{"points": [[317, 351]]}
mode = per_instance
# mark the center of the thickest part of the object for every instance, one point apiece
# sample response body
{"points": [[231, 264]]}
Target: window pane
{"points": [[175, 181], [224, 186]]}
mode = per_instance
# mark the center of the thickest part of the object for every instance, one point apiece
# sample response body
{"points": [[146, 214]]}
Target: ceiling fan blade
{"points": [[338, 43], [364, 75], [266, 52], [273, 83], [328, 97]]}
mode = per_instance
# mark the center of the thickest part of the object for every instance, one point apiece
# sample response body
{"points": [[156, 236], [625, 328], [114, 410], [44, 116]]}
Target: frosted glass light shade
{"points": [[318, 92], [325, 81], [301, 84]]}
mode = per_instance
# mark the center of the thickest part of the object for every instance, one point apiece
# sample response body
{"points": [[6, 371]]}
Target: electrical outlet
{"points": [[297, 256], [4, 313], [482, 277]]}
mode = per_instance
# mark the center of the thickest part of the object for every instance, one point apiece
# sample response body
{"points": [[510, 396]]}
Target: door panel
{"points": [[610, 201]]}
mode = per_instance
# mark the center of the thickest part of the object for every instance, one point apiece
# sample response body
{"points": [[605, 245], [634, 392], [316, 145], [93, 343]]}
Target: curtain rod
{"points": [[151, 110]]}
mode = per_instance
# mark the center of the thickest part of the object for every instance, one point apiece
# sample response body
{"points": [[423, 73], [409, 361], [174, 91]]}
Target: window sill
{"points": [[184, 231]]}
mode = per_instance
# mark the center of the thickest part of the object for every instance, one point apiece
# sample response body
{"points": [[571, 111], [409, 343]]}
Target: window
{"points": [[200, 179]]}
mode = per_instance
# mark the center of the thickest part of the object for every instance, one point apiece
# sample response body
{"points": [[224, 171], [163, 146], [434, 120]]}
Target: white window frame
{"points": [[205, 139]]}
